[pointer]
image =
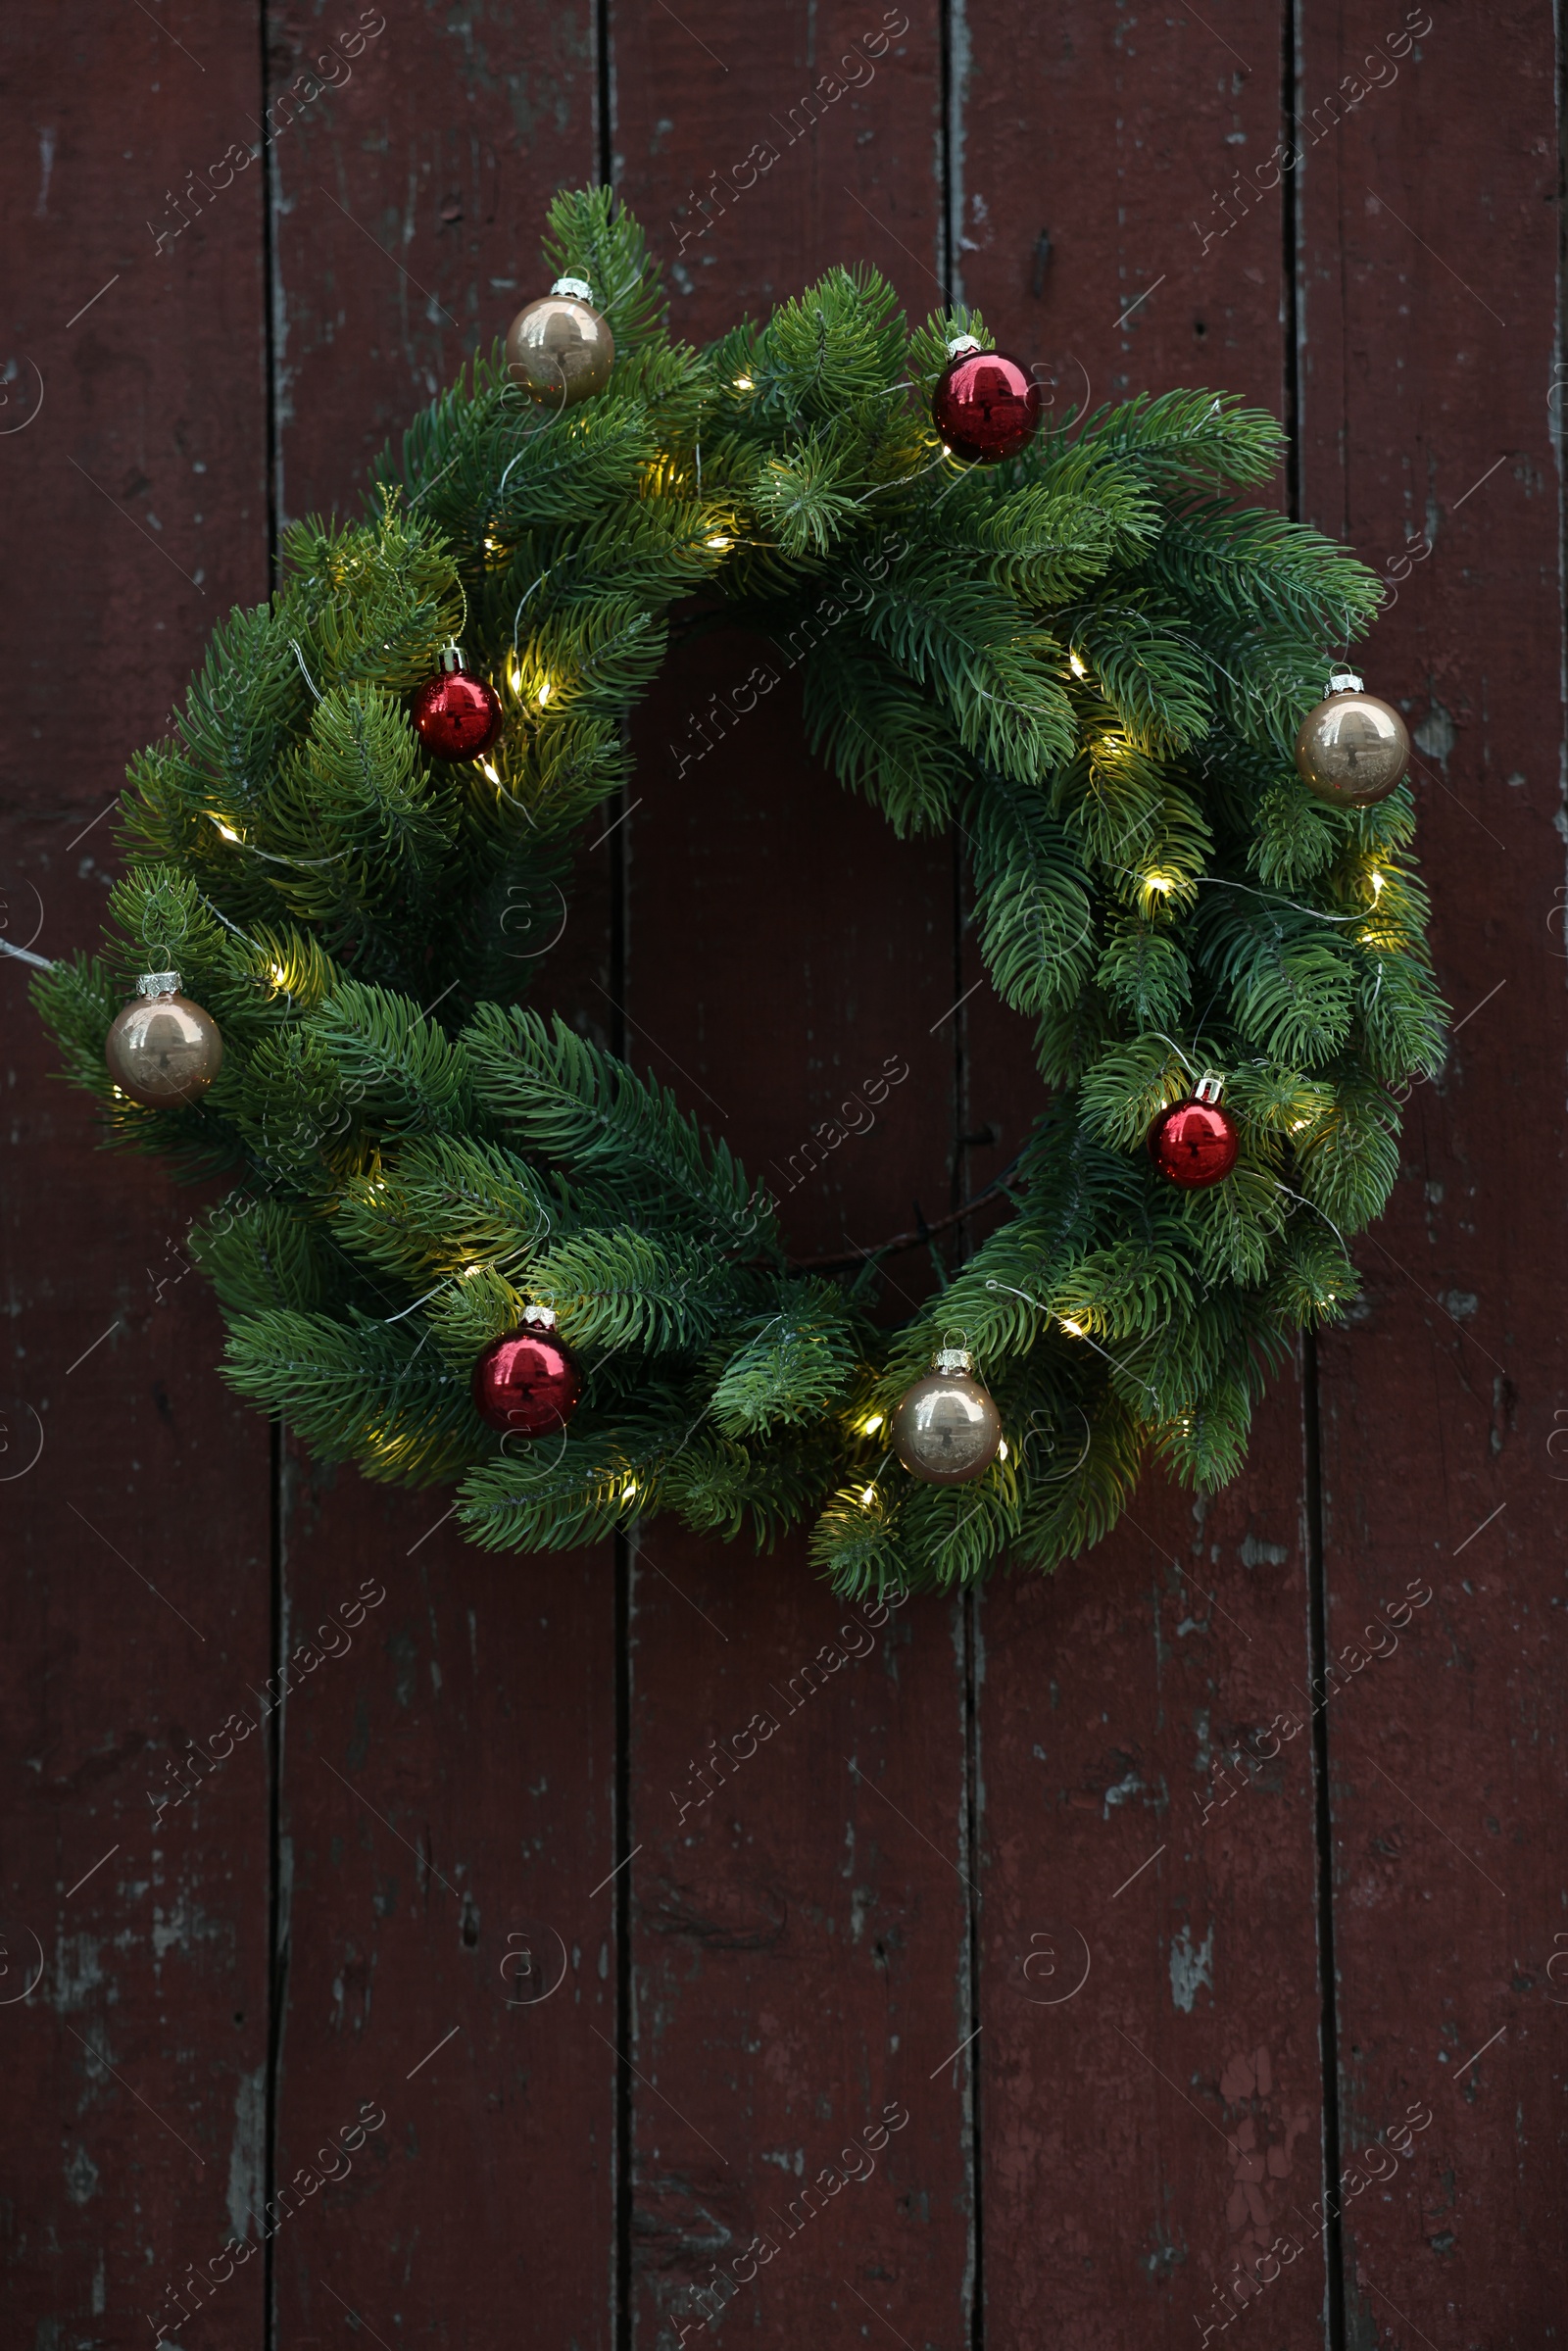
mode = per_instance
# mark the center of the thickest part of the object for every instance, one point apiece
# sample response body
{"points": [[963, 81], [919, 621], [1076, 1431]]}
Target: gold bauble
{"points": [[1351, 750], [163, 1049], [559, 349], [946, 1429]]}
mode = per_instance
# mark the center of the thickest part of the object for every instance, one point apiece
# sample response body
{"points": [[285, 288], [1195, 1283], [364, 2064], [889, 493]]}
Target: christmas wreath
{"points": [[467, 1242]]}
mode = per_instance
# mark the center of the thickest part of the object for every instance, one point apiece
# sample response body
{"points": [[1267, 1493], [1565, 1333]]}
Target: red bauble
{"points": [[457, 717], [985, 406], [1194, 1143], [526, 1385]]}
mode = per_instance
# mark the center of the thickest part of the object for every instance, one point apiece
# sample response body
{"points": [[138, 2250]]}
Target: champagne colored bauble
{"points": [[527, 1385], [986, 406], [161, 1050], [457, 717], [1351, 750], [559, 349], [946, 1429], [1194, 1143]]}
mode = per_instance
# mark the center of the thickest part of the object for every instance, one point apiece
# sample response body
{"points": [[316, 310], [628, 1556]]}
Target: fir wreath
{"points": [[1090, 658]]}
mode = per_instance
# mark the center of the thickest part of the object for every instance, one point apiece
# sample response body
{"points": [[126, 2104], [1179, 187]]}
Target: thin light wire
{"points": [[273, 858], [231, 926], [1223, 881], [1316, 1210], [303, 672], [1078, 1333], [504, 1262], [528, 439], [516, 616]]}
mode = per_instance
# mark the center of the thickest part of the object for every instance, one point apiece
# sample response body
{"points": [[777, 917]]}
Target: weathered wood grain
{"points": [[811, 1944], [758, 149], [411, 200], [475, 1722], [799, 1941], [134, 1596], [447, 1816], [1428, 367], [1150, 2067], [799, 1948], [1186, 2067]]}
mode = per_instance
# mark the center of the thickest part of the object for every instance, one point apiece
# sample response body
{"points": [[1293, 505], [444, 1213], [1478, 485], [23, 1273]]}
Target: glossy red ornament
{"points": [[986, 406], [457, 717], [526, 1385], [1194, 1143]]}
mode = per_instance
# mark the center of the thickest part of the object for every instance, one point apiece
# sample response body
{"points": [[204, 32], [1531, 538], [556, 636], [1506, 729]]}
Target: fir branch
{"points": [[791, 1366], [1091, 652], [580, 1106], [1031, 896], [357, 1391]]}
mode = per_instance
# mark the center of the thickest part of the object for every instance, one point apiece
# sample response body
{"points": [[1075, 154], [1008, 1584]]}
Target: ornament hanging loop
{"points": [[303, 672], [1175, 1048], [162, 982]]}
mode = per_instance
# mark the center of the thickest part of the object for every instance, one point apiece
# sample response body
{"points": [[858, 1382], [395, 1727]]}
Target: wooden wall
{"points": [[1108, 2018]]}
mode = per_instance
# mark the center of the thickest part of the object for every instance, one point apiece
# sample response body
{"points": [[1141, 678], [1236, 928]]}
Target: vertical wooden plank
{"points": [[448, 1792], [1150, 1993], [1114, 141], [1428, 406], [1149, 1999], [447, 1816], [411, 193], [798, 1939], [132, 2002], [757, 155]]}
